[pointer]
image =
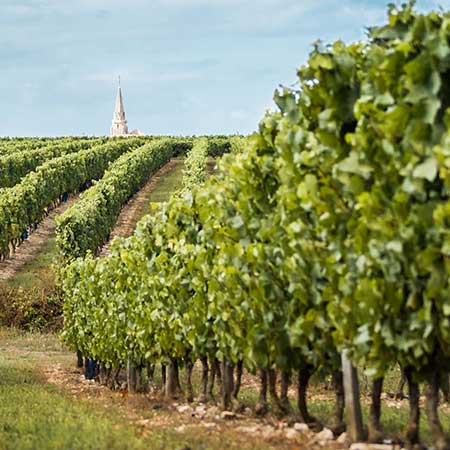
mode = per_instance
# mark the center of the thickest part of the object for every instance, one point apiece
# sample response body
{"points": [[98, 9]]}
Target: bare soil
{"points": [[33, 245]]}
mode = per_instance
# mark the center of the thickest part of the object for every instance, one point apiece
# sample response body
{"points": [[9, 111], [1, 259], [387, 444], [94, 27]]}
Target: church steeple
{"points": [[119, 123]]}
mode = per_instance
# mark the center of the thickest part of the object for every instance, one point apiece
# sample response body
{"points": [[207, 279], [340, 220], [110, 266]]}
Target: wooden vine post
{"points": [[353, 414]]}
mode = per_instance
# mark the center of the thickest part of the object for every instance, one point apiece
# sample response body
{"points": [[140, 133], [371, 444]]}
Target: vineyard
{"points": [[316, 248]]}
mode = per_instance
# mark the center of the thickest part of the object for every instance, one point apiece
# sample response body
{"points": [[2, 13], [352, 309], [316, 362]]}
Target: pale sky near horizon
{"points": [[187, 66]]}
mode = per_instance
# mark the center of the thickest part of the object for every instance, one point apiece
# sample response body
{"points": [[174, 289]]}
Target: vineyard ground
{"points": [[37, 273], [47, 404], [37, 245], [166, 186], [50, 405]]}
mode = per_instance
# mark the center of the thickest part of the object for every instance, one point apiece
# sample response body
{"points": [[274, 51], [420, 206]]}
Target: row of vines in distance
{"points": [[25, 204], [86, 226]]}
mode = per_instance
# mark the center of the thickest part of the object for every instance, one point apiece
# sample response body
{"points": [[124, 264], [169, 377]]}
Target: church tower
{"points": [[119, 123]]}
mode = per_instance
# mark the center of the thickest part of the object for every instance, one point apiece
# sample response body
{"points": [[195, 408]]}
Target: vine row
{"points": [[15, 166], [24, 205], [10, 146], [87, 224]]}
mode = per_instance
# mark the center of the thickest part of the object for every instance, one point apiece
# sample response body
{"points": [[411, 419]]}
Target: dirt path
{"points": [[33, 245], [132, 211]]}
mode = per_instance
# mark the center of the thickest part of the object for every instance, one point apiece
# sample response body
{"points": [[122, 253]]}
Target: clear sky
{"points": [[187, 66]]}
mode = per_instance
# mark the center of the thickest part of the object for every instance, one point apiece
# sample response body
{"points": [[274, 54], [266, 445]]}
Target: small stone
{"points": [[290, 433], [363, 446], [143, 422], [209, 424], [342, 439], [249, 430], [184, 409], [301, 427], [200, 412], [180, 429], [325, 435], [228, 415]]}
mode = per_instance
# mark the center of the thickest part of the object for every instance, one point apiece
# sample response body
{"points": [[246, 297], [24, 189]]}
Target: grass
{"points": [[169, 184], [321, 405], [166, 187], [37, 415], [37, 273], [34, 416], [28, 299]]}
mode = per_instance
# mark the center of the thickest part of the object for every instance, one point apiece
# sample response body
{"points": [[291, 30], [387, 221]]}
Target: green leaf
{"points": [[428, 169]]}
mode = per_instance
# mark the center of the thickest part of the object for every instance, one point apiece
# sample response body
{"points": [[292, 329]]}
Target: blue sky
{"points": [[187, 66]]}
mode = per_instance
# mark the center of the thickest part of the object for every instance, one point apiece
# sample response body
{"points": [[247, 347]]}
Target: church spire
{"points": [[119, 123]]}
